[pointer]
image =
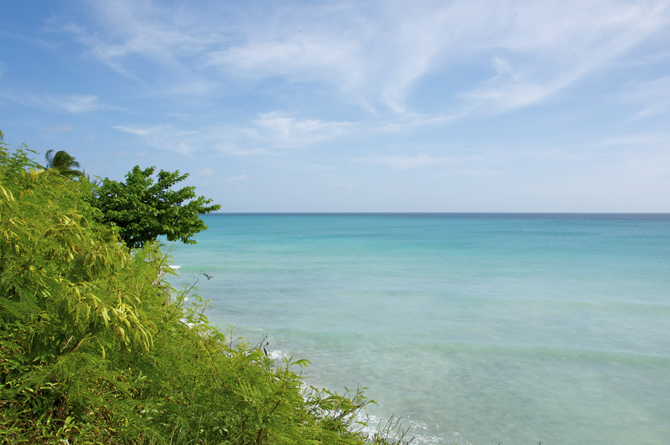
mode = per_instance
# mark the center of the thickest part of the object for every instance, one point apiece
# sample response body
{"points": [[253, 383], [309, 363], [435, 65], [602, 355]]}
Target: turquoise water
{"points": [[474, 328]]}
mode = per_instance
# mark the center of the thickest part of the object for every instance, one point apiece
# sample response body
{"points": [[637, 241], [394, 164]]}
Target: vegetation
{"points": [[96, 347], [144, 210], [63, 163]]}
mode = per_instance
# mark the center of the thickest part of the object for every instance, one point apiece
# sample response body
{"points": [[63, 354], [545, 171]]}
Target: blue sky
{"points": [[422, 106]]}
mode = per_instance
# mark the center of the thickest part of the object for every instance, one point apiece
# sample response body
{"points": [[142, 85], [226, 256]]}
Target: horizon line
{"points": [[443, 213]]}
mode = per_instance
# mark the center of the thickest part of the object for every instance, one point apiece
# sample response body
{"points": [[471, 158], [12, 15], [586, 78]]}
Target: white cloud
{"points": [[297, 57], [481, 57], [206, 172], [136, 154], [376, 53], [636, 140], [294, 131], [550, 45], [403, 162], [139, 131], [162, 137], [640, 156], [653, 97], [241, 151], [340, 185], [59, 129], [239, 178], [74, 103], [147, 29], [554, 46], [79, 104], [269, 134]]}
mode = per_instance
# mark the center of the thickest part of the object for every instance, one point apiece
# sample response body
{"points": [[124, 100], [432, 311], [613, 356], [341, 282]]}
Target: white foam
{"points": [[368, 423], [175, 267], [373, 423], [276, 355], [183, 321]]}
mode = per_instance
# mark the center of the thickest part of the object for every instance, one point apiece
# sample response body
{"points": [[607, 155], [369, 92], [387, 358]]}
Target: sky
{"points": [[360, 106]]}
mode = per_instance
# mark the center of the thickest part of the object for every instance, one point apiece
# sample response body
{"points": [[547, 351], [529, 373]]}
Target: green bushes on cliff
{"points": [[96, 347], [143, 209]]}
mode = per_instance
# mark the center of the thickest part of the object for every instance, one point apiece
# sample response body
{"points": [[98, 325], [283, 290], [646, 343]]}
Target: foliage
{"points": [[97, 348], [63, 163], [144, 210]]}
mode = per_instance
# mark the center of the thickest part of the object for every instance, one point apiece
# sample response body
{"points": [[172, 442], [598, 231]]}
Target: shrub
{"points": [[97, 347]]}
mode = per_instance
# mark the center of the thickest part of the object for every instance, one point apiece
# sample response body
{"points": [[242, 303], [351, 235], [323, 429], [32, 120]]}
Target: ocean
{"points": [[472, 328]]}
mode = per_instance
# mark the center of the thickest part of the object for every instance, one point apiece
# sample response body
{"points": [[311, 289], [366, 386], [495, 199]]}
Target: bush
{"points": [[143, 210], [96, 347]]}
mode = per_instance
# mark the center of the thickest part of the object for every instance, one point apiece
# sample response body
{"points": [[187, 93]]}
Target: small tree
{"points": [[144, 210]]}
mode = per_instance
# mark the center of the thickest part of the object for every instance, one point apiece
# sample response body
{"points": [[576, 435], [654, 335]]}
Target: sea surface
{"points": [[473, 328]]}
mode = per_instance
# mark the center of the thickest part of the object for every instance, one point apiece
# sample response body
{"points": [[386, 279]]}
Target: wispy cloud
{"points": [[59, 129], [146, 29], [340, 185], [239, 150], [162, 137], [404, 162], [299, 57], [640, 156], [268, 134], [239, 178], [205, 172], [554, 46], [79, 104], [652, 97], [641, 141], [74, 103], [141, 131], [135, 154], [340, 93], [376, 53], [292, 131]]}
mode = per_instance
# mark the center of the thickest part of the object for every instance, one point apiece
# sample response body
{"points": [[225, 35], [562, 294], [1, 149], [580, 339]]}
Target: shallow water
{"points": [[475, 328]]}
